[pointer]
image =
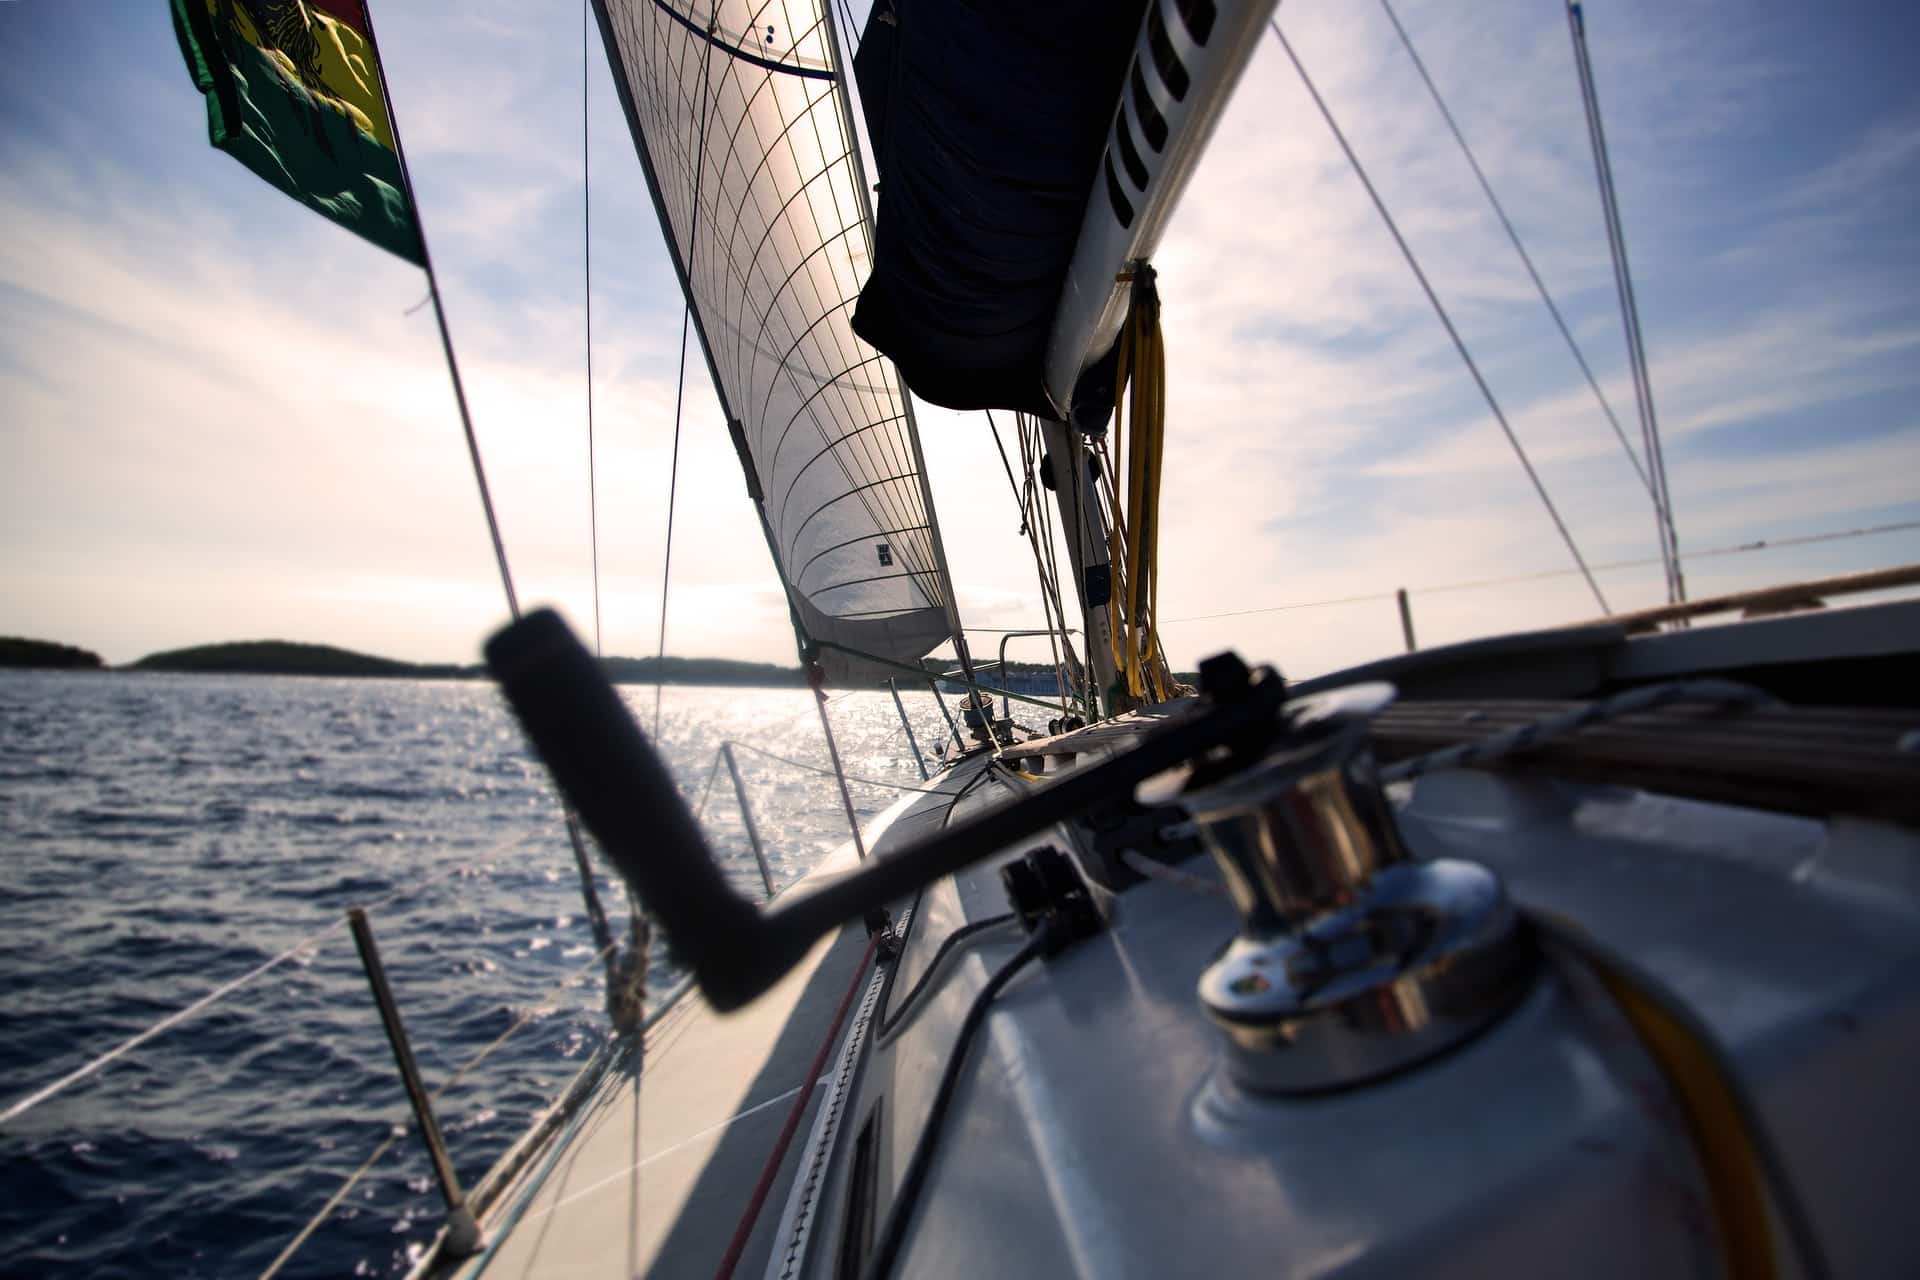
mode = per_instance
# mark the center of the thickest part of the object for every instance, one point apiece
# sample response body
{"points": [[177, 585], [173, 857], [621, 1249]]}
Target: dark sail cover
{"points": [[988, 119]]}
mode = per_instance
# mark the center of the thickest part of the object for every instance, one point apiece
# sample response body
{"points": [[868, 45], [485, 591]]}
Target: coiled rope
{"points": [[1138, 660], [1467, 755]]}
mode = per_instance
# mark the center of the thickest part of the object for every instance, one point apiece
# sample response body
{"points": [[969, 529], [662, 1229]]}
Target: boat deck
{"points": [[654, 1172]]}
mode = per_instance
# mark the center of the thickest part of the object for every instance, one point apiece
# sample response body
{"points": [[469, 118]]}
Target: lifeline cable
{"points": [[95, 1064], [1763, 544], [401, 1127]]}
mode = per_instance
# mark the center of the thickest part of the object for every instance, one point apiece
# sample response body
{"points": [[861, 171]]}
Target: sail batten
{"points": [[758, 184]]}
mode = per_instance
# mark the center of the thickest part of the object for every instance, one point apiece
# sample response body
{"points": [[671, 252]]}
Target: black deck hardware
{"points": [[1046, 890]]}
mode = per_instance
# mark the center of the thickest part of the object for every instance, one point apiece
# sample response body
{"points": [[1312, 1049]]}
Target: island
{"points": [[17, 651], [289, 658], [293, 658]]}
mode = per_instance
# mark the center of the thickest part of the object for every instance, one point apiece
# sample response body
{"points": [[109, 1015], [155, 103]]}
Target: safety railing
{"points": [[461, 1234]]}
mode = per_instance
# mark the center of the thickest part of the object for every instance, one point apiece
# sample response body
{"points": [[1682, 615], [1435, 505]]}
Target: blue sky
{"points": [[219, 420]]}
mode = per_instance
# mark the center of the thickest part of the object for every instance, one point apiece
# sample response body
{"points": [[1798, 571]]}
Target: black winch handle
{"points": [[607, 770]]}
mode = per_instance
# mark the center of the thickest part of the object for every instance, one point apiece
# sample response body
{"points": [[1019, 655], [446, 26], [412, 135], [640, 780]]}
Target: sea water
{"points": [[163, 834]]}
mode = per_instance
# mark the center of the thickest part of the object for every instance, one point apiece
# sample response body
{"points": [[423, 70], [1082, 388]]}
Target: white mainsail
{"points": [[742, 127]]}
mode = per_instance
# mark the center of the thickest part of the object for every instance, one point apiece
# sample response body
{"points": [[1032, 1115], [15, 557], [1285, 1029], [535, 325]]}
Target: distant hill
{"points": [[16, 651], [286, 658]]}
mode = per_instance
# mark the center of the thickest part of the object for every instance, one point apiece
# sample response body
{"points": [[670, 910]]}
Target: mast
{"points": [[1085, 529], [1186, 62], [1629, 312]]}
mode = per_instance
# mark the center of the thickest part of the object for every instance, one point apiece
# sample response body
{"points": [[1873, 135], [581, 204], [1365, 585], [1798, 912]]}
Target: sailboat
{"points": [[1589, 949]]}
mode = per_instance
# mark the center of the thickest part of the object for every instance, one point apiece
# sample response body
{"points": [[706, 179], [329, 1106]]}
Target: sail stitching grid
{"points": [[785, 138], [739, 291], [735, 51], [829, 447], [679, 399], [908, 471], [773, 223], [853, 541], [890, 443], [909, 552]]}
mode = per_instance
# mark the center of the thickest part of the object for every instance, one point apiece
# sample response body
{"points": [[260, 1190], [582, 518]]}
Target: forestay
{"points": [[742, 128]]}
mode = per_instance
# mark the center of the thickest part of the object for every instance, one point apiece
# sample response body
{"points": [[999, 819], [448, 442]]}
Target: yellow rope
{"points": [[1134, 539]]}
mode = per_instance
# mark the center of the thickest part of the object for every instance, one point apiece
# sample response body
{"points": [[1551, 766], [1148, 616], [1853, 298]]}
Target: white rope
{"points": [[1160, 871], [95, 1065]]}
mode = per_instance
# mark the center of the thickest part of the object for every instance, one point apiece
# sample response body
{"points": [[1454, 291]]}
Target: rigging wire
{"points": [[1049, 596], [853, 29], [673, 486], [1764, 544], [1629, 309], [446, 334], [826, 772], [400, 1127], [1440, 309], [1526, 259], [586, 243], [94, 1065], [680, 387], [1032, 449]]}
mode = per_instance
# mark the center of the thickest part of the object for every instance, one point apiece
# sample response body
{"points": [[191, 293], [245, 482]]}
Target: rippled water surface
{"points": [[160, 835]]}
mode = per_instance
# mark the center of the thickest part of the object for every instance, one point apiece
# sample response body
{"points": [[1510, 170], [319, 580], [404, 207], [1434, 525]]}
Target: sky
{"points": [[222, 417]]}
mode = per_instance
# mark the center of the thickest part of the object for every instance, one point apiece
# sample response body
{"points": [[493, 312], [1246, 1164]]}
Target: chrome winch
{"points": [[1354, 960]]}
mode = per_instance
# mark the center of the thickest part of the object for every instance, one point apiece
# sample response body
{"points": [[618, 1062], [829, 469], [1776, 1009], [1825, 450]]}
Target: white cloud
{"points": [[219, 422]]}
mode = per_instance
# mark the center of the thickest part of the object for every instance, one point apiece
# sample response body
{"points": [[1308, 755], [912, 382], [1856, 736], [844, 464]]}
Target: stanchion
{"points": [[463, 1233], [746, 816]]}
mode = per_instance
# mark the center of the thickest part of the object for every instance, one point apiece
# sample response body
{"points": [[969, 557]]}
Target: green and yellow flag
{"points": [[293, 93]]}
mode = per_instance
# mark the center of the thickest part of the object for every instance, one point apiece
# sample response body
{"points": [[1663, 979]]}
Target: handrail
{"points": [[1782, 595], [1006, 703]]}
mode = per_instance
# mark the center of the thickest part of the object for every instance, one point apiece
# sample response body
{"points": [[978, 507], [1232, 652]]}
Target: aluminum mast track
{"points": [[769, 230]]}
